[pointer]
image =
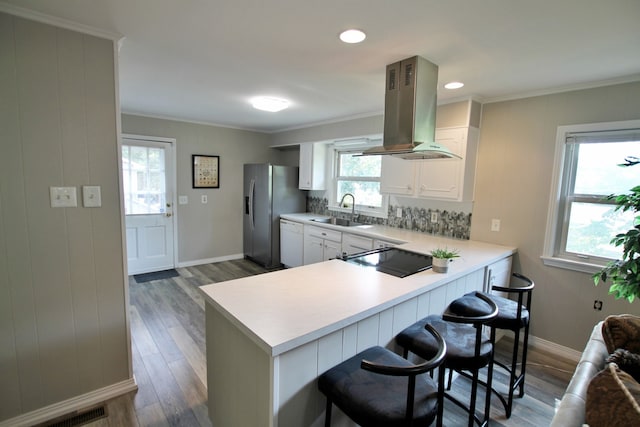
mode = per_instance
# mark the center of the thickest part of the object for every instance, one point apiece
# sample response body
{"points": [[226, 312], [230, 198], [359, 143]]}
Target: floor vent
{"points": [[78, 418]]}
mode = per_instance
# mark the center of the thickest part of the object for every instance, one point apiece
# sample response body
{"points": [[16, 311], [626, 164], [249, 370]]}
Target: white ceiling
{"points": [[202, 60]]}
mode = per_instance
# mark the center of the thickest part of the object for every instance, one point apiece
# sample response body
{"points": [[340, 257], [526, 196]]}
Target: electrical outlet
{"points": [[495, 225], [203, 199], [434, 216]]}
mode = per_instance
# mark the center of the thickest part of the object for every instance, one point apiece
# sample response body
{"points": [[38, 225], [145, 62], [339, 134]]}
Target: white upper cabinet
{"points": [[313, 157], [397, 176], [442, 179]]}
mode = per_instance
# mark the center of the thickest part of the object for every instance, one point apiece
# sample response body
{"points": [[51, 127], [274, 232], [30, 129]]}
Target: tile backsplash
{"points": [[450, 224]]}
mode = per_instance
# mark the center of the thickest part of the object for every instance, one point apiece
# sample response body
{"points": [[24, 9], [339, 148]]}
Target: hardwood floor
{"points": [[168, 346]]}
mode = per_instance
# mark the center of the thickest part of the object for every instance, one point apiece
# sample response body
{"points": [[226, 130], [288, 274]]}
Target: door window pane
{"points": [[143, 180]]}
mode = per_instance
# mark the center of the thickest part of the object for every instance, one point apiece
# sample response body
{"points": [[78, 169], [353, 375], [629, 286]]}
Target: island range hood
{"points": [[410, 112]]}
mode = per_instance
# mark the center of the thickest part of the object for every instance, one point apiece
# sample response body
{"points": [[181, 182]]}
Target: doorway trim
{"points": [[173, 181]]}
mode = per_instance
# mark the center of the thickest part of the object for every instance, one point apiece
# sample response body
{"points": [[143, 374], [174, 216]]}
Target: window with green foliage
{"points": [[590, 220], [585, 220], [360, 176]]}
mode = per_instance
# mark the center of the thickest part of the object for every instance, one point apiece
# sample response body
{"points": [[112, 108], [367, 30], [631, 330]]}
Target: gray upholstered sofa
{"points": [[571, 411]]}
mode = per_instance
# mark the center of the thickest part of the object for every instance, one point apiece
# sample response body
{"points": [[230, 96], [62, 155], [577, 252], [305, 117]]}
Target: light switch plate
{"points": [[91, 197], [63, 197]]}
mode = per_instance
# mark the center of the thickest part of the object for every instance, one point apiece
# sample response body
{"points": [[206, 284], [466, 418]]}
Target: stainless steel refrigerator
{"points": [[269, 191]]}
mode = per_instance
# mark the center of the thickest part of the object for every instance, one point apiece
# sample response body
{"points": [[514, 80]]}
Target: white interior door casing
{"points": [[148, 183]]}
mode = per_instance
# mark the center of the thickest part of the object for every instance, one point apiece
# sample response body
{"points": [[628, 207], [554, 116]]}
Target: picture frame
{"points": [[205, 171]]}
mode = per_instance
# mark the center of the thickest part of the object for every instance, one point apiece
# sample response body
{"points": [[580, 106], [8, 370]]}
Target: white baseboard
{"points": [[210, 260], [70, 405], [555, 349], [545, 346]]}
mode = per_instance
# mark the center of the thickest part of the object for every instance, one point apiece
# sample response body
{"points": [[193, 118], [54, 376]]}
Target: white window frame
{"points": [[376, 212], [554, 241]]}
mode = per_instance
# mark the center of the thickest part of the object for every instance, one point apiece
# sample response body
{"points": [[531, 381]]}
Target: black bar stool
{"points": [[468, 348], [514, 316], [377, 387]]}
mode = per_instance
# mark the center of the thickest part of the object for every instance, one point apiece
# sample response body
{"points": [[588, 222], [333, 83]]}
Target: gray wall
{"points": [[513, 181], [212, 230], [63, 325]]}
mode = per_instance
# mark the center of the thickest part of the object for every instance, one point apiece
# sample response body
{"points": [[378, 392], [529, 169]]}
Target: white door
{"points": [[147, 169]]}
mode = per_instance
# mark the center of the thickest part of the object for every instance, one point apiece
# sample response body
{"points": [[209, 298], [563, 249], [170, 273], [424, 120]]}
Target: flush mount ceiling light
{"points": [[352, 36], [453, 85], [269, 103]]}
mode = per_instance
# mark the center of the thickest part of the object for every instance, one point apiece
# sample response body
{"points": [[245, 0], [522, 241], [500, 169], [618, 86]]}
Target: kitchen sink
{"points": [[338, 221]]}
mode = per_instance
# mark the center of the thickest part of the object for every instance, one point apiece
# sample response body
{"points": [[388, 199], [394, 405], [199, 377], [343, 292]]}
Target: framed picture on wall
{"points": [[206, 171]]}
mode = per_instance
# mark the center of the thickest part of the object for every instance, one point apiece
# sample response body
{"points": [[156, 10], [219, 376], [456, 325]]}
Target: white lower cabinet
{"points": [[352, 243], [381, 244], [499, 274], [321, 244]]}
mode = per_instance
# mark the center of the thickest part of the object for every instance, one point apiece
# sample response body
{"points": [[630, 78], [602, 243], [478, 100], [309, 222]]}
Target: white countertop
{"points": [[287, 308]]}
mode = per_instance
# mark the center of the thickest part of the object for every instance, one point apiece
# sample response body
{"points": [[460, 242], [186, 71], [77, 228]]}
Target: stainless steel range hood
{"points": [[410, 112]]}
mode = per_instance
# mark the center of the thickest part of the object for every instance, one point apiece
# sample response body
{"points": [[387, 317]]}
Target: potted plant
{"points": [[441, 259], [625, 273]]}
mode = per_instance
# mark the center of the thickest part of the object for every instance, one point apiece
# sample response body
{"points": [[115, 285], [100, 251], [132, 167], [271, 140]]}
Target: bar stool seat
{"points": [[377, 387], [468, 348], [460, 339]]}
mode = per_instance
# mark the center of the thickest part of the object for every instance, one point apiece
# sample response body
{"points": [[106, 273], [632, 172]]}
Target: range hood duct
{"points": [[410, 103]]}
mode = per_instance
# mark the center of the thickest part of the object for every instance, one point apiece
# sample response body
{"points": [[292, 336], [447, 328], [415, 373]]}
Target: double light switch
{"points": [[65, 197]]}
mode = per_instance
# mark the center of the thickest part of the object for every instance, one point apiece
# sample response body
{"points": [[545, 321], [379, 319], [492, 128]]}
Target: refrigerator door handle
{"points": [[252, 190]]}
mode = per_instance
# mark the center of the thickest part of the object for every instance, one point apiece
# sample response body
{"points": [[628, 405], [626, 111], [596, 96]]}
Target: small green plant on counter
{"points": [[625, 273], [445, 253]]}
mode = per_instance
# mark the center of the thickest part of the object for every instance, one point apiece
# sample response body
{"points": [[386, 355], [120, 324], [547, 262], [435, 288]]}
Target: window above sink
{"points": [[359, 176]]}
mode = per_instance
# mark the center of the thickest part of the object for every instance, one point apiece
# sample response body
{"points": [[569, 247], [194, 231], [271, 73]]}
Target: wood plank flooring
{"points": [[168, 346]]}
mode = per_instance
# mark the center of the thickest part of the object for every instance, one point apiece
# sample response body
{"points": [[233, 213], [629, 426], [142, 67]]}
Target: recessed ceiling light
{"points": [[453, 85], [352, 36], [269, 103]]}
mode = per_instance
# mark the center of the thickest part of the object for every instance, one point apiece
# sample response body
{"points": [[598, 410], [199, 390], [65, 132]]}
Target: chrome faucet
{"points": [[353, 206]]}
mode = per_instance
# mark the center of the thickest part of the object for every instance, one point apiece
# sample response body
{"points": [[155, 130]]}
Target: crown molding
{"points": [[59, 22]]}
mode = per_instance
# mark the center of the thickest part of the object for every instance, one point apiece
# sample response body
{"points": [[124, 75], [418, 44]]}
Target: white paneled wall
{"points": [[63, 314]]}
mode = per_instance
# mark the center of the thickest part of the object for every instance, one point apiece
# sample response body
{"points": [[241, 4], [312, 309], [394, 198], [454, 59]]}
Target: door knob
{"points": [[168, 214]]}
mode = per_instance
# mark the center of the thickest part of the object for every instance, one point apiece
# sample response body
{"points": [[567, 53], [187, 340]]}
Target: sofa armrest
{"points": [[572, 408]]}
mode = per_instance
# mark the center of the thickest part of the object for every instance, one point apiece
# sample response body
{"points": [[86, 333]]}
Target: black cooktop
{"points": [[394, 261]]}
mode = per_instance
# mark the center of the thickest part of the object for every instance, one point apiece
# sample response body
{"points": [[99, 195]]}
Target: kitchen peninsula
{"points": [[270, 336]]}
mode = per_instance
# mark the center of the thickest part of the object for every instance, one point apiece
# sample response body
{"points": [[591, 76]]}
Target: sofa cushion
{"points": [[622, 331], [612, 399]]}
